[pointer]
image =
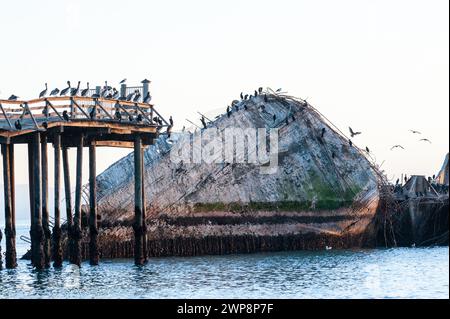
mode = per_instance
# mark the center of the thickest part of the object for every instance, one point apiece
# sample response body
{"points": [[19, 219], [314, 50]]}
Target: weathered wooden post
{"points": [[77, 231], [37, 234], [10, 236], [31, 188], [13, 187], [93, 227], [57, 249], [138, 225], [145, 88], [123, 90], [68, 195], [45, 212], [144, 223]]}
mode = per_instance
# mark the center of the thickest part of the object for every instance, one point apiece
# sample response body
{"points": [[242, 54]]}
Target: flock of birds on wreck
{"points": [[109, 92]]}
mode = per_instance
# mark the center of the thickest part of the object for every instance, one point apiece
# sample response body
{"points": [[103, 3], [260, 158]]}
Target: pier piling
{"points": [[45, 211], [68, 195], [138, 218], [37, 233], [10, 236], [93, 226], [77, 215], [57, 249]]}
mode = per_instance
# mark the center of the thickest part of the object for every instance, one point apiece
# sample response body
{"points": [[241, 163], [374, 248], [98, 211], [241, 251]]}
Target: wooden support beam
{"points": [[68, 196], [45, 209], [31, 188], [138, 225], [37, 233], [10, 237], [57, 249], [144, 222], [77, 231], [93, 226]]}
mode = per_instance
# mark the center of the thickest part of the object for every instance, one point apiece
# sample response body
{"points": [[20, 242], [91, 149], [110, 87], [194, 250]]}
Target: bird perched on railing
{"points": [[118, 115], [54, 92], [323, 132], [139, 118], [66, 116], [18, 125], [13, 98], [75, 91], [148, 98], [43, 93], [260, 90], [45, 125], [137, 96], [67, 89], [171, 120], [115, 94], [130, 96], [92, 113], [85, 91]]}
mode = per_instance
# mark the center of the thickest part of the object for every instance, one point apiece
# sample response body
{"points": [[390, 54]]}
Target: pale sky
{"points": [[380, 66]]}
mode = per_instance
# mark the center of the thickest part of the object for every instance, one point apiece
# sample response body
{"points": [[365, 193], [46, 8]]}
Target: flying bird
{"points": [[43, 93], [415, 132], [425, 140], [279, 90], [123, 81], [397, 146], [13, 98], [352, 133]]}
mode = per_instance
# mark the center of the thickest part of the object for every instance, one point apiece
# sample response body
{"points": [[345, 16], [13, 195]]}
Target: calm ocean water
{"points": [[380, 273]]}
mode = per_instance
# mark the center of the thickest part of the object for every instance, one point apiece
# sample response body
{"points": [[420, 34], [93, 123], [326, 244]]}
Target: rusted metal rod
{"points": [[77, 231], [57, 249], [93, 226]]}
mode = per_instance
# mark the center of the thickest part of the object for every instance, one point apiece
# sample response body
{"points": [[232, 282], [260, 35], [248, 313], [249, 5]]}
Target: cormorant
{"points": [[67, 89], [260, 90], [245, 107], [118, 115], [43, 93], [274, 117], [54, 92], [242, 96], [92, 113], [171, 121], [75, 91], [350, 142], [203, 122], [66, 116], [333, 155], [139, 118], [256, 93], [352, 133], [45, 125], [85, 91], [367, 150], [160, 122], [266, 99], [13, 98], [323, 132], [246, 97], [18, 125], [148, 98]]}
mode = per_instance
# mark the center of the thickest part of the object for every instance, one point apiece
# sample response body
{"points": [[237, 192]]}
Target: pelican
{"points": [[397, 146], [75, 91], [148, 98], [115, 94], [85, 91], [67, 89], [137, 96], [130, 96], [352, 133], [54, 92], [13, 98], [43, 93]]}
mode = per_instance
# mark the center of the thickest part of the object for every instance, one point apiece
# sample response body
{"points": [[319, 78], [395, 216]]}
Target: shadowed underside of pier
{"points": [[67, 122]]}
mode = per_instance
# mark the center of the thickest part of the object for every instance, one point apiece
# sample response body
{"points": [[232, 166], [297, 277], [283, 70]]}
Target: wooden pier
{"points": [[71, 122]]}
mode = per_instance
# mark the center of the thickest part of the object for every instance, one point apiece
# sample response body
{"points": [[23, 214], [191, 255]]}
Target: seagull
{"points": [[425, 140], [415, 132], [67, 89], [123, 81], [18, 125], [66, 116], [85, 91], [43, 93], [352, 133], [13, 98], [397, 146], [75, 91], [54, 92]]}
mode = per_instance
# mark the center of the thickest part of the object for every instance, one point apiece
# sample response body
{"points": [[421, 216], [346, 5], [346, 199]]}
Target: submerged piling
{"points": [[45, 211], [139, 258], [76, 232], [68, 195]]}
